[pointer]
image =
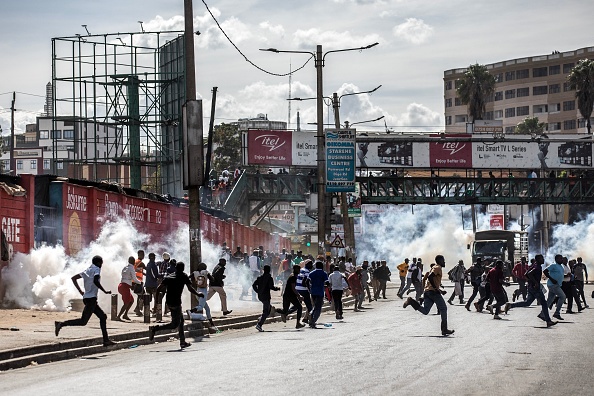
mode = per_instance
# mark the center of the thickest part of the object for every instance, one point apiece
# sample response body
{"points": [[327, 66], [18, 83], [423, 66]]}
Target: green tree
{"points": [[530, 126], [581, 79], [474, 89], [227, 148]]}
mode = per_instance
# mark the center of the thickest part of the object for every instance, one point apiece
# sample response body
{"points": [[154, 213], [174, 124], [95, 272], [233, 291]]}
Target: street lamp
{"points": [[347, 124], [323, 218]]}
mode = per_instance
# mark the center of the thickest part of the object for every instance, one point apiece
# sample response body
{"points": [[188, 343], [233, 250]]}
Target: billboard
{"points": [[287, 148], [340, 160]]}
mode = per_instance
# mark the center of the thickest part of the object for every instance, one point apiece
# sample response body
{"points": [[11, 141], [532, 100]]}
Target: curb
{"points": [[47, 353]]}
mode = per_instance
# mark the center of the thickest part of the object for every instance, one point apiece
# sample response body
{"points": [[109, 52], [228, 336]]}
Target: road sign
{"points": [[337, 242], [340, 160]]}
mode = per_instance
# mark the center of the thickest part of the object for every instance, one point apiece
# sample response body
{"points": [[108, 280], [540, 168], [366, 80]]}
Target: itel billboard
{"points": [[450, 154]]}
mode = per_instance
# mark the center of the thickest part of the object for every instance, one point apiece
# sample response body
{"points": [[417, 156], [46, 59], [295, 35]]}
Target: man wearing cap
{"points": [[217, 285]]}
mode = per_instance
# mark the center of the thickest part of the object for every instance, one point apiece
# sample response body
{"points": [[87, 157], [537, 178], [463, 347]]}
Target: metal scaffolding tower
{"points": [[130, 85]]}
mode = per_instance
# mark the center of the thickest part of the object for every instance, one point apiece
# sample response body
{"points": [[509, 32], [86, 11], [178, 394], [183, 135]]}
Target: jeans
{"points": [[306, 299], [433, 297], [177, 322], [202, 304], [579, 285], [406, 287], [402, 280], [337, 298], [501, 299], [91, 307], [555, 290], [265, 312], [317, 309], [538, 295]]}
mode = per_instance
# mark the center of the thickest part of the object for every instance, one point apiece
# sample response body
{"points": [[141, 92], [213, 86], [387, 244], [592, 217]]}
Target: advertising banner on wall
{"points": [[269, 147], [305, 148], [450, 154], [393, 154]]}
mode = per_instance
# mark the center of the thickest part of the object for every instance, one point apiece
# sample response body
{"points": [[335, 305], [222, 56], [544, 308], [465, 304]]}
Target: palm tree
{"points": [[581, 79], [530, 126], [474, 89]]}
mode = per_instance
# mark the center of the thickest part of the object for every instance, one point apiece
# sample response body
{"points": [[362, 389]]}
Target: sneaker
{"points": [[506, 308], [496, 316], [399, 296], [305, 320], [283, 318], [184, 345], [478, 307], [126, 317], [138, 313], [108, 343], [514, 295], [450, 302], [407, 302], [227, 312], [299, 325], [259, 328], [151, 333], [557, 316], [447, 332], [490, 309], [586, 306], [57, 327], [541, 317], [467, 306], [312, 325], [549, 324], [569, 312]]}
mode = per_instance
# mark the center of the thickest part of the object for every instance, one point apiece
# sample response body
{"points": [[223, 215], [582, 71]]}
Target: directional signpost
{"points": [[340, 160]]}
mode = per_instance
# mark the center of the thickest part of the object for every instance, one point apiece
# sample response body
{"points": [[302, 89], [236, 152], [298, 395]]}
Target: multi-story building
{"points": [[260, 122], [534, 86]]}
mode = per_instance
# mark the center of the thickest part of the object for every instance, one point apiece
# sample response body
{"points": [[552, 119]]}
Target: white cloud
{"points": [[307, 39], [413, 30], [275, 29]]}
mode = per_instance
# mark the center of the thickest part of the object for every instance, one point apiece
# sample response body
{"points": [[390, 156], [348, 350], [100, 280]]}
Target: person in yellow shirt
{"points": [[402, 271], [433, 295]]}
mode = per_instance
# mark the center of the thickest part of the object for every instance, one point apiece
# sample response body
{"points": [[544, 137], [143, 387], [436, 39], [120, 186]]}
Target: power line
{"points": [[30, 94], [244, 56]]}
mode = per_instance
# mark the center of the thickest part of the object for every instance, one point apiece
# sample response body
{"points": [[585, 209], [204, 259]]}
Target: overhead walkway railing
{"points": [[457, 190]]}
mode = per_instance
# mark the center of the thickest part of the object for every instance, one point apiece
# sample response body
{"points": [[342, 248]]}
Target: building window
{"points": [[19, 164], [498, 77], [523, 111], [510, 93], [497, 114], [499, 95], [60, 165], [510, 112], [540, 90], [488, 115], [554, 88], [554, 70], [569, 105], [448, 85], [43, 135], [539, 72], [448, 120], [510, 75], [460, 118], [555, 108], [542, 108], [69, 134], [524, 73], [567, 87], [554, 126], [567, 67], [457, 102], [521, 92], [57, 134], [568, 124], [448, 102], [46, 164]]}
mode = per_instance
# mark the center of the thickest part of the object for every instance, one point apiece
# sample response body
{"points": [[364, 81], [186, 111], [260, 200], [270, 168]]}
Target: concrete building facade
{"points": [[533, 86]]}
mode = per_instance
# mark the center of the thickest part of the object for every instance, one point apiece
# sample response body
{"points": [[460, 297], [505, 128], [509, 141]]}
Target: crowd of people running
{"points": [[309, 281]]}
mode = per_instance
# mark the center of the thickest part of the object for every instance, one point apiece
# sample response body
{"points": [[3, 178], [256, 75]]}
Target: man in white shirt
{"points": [[91, 278], [337, 283], [129, 276]]}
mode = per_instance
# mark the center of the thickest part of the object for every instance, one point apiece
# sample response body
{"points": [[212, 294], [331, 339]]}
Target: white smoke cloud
{"points": [[414, 30]]}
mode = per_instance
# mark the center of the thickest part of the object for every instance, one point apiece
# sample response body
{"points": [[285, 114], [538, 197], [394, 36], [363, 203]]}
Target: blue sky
{"points": [[418, 39]]}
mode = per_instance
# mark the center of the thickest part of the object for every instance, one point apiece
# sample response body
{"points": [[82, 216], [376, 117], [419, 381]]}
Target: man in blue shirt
{"points": [[318, 278], [555, 274]]}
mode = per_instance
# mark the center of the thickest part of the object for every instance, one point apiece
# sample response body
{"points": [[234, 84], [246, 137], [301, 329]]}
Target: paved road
{"points": [[384, 350]]}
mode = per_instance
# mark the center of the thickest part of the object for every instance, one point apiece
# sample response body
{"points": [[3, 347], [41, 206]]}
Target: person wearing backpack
{"points": [[262, 285], [201, 278]]}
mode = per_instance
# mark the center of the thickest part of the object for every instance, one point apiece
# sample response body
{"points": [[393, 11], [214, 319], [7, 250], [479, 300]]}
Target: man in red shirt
{"points": [[496, 283], [519, 272], [354, 281]]}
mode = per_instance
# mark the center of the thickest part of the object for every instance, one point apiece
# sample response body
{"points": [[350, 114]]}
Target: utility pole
{"points": [[323, 218], [193, 144], [12, 161]]}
